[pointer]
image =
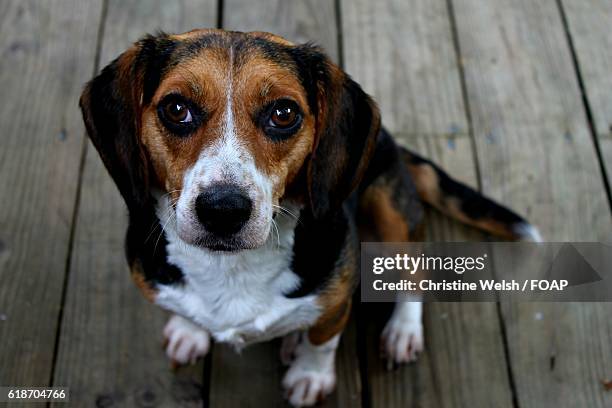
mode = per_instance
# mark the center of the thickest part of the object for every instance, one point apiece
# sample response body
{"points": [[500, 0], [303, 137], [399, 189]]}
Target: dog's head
{"points": [[227, 125]]}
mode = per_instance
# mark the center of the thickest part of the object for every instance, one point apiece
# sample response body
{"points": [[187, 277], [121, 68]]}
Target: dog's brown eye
{"points": [[283, 116], [177, 112], [180, 115], [281, 119]]}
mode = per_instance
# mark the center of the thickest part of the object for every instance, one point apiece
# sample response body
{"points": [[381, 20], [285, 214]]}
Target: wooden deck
{"points": [[514, 97]]}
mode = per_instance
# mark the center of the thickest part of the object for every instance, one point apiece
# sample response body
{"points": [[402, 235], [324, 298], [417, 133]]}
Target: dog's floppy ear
{"points": [[111, 104], [347, 126]]}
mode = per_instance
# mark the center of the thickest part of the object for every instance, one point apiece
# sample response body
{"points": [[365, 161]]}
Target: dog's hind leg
{"points": [[390, 211], [402, 338]]}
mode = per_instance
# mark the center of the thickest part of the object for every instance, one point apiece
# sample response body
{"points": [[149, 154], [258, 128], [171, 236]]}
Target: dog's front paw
{"points": [[312, 375], [305, 387], [402, 340], [185, 342]]}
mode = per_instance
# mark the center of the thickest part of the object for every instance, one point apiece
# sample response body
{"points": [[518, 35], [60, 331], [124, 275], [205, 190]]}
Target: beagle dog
{"points": [[252, 168]]}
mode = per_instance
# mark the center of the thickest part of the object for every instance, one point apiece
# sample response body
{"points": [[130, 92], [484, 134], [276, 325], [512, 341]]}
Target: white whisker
{"points": [[285, 211], [163, 229], [167, 212], [277, 233]]}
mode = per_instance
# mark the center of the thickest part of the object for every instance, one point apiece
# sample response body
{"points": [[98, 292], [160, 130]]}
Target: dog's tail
{"points": [[458, 201]]}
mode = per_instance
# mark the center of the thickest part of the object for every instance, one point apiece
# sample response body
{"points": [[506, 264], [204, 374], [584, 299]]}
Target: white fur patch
{"points": [[239, 296], [527, 232], [312, 374]]}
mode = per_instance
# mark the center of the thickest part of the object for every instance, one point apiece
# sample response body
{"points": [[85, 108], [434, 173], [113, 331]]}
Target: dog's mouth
{"points": [[224, 245], [241, 241], [236, 243], [220, 247]]}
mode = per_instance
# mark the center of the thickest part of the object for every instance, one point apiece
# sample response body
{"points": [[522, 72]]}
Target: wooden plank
{"points": [[560, 353], [41, 71], [111, 343], [250, 379], [254, 377], [402, 52], [299, 21], [535, 152], [589, 26]]}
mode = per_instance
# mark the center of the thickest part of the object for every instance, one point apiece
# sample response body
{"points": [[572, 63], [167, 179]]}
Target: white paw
{"points": [[402, 340], [288, 346], [312, 375], [305, 387], [185, 342]]}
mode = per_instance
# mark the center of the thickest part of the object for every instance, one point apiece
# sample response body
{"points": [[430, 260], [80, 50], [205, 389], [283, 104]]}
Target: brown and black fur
{"points": [[354, 184]]}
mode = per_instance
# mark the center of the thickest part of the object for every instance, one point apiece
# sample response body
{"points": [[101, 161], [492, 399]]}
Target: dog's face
{"points": [[227, 130], [227, 125]]}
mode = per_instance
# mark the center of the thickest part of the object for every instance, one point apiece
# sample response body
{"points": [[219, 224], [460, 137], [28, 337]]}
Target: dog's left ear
{"points": [[347, 127]]}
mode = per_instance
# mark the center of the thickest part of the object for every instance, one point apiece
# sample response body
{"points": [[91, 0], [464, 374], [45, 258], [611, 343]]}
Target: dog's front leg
{"points": [[312, 373]]}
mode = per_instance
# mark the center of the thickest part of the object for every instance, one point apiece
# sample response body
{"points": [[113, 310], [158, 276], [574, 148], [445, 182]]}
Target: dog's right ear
{"points": [[112, 103], [347, 126]]}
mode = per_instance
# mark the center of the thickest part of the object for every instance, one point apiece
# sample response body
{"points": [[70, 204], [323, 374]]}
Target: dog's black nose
{"points": [[223, 209]]}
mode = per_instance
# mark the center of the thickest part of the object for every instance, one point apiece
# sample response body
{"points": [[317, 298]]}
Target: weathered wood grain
{"points": [[560, 353], [402, 52], [250, 379], [535, 153], [42, 67], [409, 64], [111, 343], [589, 26]]}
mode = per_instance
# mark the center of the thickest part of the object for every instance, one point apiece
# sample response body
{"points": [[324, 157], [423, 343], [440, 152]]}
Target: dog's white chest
{"points": [[239, 297]]}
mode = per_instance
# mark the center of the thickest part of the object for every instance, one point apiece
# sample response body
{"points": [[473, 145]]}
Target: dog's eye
{"points": [[179, 115], [177, 112], [283, 119], [284, 115]]}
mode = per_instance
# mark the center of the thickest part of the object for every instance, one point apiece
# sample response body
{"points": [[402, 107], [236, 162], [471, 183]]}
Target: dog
{"points": [[252, 168]]}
